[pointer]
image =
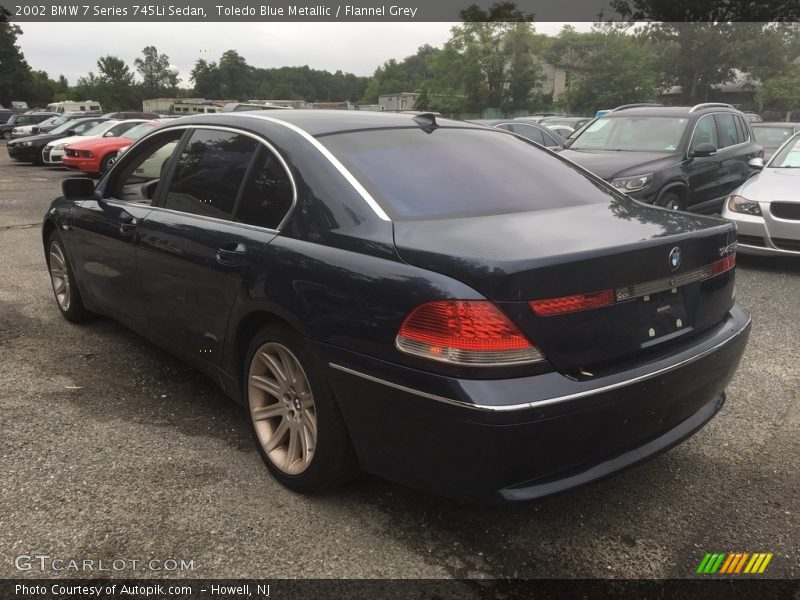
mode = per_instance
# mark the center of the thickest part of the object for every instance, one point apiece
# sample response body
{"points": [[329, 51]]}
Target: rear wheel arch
{"points": [[47, 230], [247, 328]]}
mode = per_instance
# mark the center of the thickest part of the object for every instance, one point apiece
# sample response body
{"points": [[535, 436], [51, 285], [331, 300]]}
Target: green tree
{"points": [[609, 66], [14, 70], [707, 11], [39, 88], [702, 42], [489, 64], [115, 87], [783, 91], [205, 76], [423, 101], [389, 78], [157, 78], [235, 77], [523, 72]]}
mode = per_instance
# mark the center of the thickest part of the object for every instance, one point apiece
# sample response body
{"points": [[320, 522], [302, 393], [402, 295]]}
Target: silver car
{"points": [[766, 209]]}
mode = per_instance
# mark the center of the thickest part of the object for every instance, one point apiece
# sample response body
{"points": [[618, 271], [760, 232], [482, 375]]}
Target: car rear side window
{"points": [[451, 172], [741, 129], [726, 130], [530, 132], [267, 195], [209, 173]]}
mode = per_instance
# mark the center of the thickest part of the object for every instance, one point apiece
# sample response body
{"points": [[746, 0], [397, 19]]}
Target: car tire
{"points": [[6, 135], [107, 162], [294, 419], [671, 201], [65, 288]]}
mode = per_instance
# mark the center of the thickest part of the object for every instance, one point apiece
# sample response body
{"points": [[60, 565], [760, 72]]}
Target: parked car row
{"points": [[27, 119], [707, 158], [83, 143]]}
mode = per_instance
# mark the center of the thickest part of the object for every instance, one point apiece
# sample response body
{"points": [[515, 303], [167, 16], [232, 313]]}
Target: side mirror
{"points": [[108, 134], [705, 149], [756, 163], [568, 143], [77, 188], [70, 132]]}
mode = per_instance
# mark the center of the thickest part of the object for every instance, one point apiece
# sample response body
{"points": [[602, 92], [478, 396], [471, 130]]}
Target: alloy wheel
{"points": [[282, 408], [59, 275]]}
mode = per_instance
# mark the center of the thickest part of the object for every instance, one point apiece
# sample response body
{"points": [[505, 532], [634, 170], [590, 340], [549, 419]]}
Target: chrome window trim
{"points": [[259, 139], [547, 401], [335, 162], [212, 219]]}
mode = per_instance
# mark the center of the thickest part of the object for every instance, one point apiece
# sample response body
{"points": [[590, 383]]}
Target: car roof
{"points": [[775, 124], [670, 111], [319, 122]]}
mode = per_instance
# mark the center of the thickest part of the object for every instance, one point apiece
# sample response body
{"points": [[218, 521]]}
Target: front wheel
{"points": [[297, 426], [107, 162], [671, 201]]}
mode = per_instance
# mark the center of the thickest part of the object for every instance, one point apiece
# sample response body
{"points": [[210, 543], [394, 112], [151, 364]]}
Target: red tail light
{"points": [[465, 332], [567, 304], [726, 264]]}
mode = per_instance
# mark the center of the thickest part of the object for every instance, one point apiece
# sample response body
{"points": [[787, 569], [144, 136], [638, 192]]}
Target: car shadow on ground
{"points": [[773, 264]]}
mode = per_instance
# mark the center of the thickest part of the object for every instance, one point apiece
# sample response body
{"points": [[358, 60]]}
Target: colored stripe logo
{"points": [[734, 563]]}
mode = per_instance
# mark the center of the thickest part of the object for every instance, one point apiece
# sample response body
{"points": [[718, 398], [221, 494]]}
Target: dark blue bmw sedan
{"points": [[444, 305]]}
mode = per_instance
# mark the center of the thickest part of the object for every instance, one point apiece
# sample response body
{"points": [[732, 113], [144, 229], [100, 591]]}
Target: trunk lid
{"points": [[621, 245]]}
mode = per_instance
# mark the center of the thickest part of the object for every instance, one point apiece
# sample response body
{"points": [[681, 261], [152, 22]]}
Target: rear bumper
{"points": [[530, 437]]}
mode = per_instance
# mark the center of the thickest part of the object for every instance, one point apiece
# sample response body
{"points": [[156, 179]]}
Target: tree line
{"points": [[494, 59]]}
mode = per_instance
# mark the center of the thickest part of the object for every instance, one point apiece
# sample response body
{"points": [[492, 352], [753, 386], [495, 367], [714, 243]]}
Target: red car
{"points": [[95, 156]]}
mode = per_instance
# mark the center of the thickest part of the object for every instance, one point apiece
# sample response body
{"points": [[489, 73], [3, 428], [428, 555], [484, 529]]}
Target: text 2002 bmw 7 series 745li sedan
{"points": [[441, 304]]}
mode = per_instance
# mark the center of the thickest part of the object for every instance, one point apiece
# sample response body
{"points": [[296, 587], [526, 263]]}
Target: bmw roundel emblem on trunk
{"points": [[675, 258]]}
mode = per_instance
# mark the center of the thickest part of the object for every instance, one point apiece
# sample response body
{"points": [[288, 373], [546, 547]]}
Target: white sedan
{"points": [[766, 209], [53, 153]]}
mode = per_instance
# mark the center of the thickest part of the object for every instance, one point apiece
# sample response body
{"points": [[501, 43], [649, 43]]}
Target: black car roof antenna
{"points": [[426, 121]]}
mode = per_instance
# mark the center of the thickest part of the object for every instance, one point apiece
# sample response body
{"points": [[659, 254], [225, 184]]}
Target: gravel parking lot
{"points": [[112, 449]]}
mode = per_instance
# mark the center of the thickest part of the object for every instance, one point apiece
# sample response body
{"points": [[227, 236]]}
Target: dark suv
{"points": [[19, 119], [680, 157]]}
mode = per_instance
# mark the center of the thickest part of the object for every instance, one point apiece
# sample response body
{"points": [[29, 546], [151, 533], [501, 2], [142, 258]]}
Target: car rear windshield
{"points": [[634, 133], [452, 172], [772, 137]]}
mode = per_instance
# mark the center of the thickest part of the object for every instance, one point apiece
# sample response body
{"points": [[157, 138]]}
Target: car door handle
{"points": [[129, 229], [231, 255]]}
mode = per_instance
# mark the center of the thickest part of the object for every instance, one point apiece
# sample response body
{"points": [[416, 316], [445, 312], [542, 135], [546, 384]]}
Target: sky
{"points": [[72, 49]]}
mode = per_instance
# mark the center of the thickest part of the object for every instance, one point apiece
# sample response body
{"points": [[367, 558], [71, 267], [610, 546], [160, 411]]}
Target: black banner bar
{"points": [[412, 589], [292, 10]]}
